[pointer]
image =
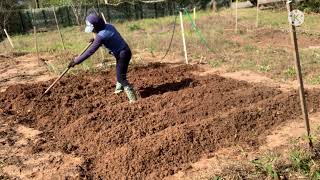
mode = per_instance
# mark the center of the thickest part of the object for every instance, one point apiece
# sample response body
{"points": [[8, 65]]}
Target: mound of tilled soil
{"points": [[179, 119]]}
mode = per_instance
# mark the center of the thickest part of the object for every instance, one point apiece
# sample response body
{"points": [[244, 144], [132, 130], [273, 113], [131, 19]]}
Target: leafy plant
{"points": [[215, 63], [310, 6], [266, 165], [216, 178], [134, 27], [249, 48], [289, 73], [264, 68], [301, 161]]}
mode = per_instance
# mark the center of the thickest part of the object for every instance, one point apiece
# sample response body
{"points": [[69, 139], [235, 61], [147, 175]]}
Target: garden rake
{"points": [[63, 73]]}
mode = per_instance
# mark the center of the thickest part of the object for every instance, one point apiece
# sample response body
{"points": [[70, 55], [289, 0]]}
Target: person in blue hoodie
{"points": [[107, 35]]}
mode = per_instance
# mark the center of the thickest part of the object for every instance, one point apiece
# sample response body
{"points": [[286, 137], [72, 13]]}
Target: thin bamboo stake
{"points": [[60, 34], [257, 19], [194, 15], [36, 42], [103, 17], [9, 39], [236, 28], [303, 103], [183, 38]]}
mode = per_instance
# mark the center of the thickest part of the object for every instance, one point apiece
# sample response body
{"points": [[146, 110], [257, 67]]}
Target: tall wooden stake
{"points": [[299, 76], [194, 15], [236, 28], [9, 39], [257, 19], [36, 3], [36, 42], [103, 17], [183, 38], [214, 6], [55, 17]]}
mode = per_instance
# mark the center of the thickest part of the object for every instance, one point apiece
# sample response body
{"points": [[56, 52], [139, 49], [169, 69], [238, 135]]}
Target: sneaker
{"points": [[119, 88], [130, 93]]}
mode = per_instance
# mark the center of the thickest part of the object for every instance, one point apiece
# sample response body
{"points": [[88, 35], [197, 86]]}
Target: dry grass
{"points": [[150, 38]]}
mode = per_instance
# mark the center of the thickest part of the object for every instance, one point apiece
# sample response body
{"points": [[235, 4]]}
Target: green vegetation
{"points": [[289, 73], [149, 39], [274, 18], [310, 6], [266, 165]]}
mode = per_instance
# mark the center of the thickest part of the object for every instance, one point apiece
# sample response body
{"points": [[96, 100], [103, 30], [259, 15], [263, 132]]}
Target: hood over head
{"points": [[94, 23]]}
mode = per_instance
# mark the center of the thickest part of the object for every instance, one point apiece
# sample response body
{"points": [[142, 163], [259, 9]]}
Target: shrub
{"points": [[310, 6]]}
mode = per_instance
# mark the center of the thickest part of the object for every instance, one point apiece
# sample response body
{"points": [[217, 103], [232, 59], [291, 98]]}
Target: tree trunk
{"points": [[37, 3], [214, 5]]}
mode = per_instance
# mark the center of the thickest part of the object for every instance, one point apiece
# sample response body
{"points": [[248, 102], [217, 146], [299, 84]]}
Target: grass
{"points": [[275, 18], [266, 165], [298, 162], [149, 38]]}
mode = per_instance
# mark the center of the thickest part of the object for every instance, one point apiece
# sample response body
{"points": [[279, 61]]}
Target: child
{"points": [[107, 35]]}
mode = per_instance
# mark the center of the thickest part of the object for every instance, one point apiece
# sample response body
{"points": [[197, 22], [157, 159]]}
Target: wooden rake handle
{"points": [[64, 72]]}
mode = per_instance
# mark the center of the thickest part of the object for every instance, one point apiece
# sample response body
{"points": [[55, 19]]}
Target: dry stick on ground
{"points": [[9, 39], [293, 35], [55, 17], [183, 38]]}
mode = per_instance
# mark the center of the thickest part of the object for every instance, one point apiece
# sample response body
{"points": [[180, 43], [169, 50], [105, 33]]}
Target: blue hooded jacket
{"points": [[107, 35]]}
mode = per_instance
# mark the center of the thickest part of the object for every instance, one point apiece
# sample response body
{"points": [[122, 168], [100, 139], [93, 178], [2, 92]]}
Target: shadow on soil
{"points": [[167, 87]]}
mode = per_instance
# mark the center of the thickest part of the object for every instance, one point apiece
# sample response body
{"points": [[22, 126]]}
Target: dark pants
{"points": [[122, 63]]}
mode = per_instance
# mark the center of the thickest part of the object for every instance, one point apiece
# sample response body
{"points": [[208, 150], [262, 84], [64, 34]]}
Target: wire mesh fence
{"points": [[22, 21]]}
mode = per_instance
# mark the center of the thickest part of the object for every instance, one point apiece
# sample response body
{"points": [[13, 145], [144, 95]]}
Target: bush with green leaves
{"points": [[310, 6]]}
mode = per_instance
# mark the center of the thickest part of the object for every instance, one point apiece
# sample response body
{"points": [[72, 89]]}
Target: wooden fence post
{"points": [[183, 38], [236, 28], [257, 19], [155, 10], [108, 13], [303, 102], [194, 15], [68, 15], [55, 17], [103, 17], [44, 17], [23, 28], [36, 43]]}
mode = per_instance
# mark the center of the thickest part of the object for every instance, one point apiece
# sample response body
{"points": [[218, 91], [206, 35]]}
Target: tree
{"points": [[36, 3], [6, 7]]}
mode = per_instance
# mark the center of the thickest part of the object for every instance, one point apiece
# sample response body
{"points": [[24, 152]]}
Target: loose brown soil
{"points": [[21, 68], [180, 118]]}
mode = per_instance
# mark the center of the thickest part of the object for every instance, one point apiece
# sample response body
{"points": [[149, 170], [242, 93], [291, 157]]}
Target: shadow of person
{"points": [[167, 87]]}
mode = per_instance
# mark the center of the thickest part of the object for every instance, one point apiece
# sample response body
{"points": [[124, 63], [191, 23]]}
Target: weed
{"points": [[215, 63], [250, 48], [264, 68], [301, 161], [134, 27], [248, 64], [266, 165], [315, 175], [289, 73], [2, 163], [216, 178]]}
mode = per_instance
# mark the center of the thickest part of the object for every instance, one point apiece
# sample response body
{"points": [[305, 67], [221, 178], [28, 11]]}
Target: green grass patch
{"points": [[266, 165]]}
